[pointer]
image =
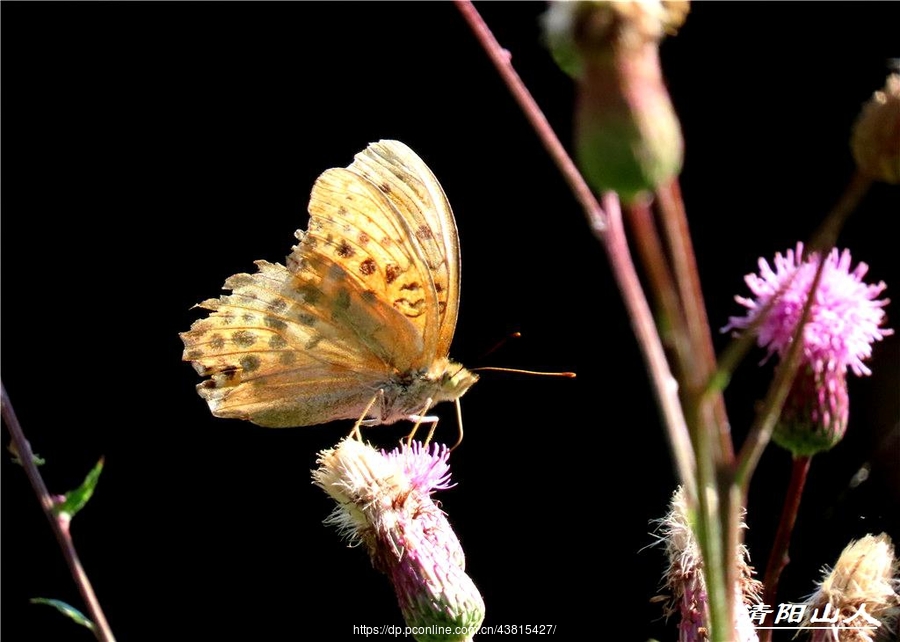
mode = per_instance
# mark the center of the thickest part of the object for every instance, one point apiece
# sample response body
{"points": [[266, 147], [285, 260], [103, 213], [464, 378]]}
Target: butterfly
{"points": [[359, 321]]}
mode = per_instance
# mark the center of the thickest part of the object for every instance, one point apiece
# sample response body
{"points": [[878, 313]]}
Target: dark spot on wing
{"points": [[249, 362], [391, 272], [342, 300], [243, 338], [368, 267]]}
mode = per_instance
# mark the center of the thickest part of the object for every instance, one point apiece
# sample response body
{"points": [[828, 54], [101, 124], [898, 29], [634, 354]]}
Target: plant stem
{"points": [[719, 532], [59, 524], [670, 313], [501, 59], [684, 262], [779, 558], [764, 422], [664, 384]]}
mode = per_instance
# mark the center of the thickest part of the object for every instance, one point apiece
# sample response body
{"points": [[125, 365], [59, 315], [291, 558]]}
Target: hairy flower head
{"points": [[845, 318], [684, 577], [859, 597], [384, 502]]}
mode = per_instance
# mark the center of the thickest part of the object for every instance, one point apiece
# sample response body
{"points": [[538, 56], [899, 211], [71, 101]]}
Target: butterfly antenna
{"points": [[502, 342], [355, 433], [458, 423], [568, 375]]}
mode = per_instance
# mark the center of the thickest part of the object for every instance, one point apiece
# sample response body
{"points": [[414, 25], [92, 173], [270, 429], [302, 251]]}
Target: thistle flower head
{"points": [[845, 318], [384, 502], [684, 577], [859, 597]]}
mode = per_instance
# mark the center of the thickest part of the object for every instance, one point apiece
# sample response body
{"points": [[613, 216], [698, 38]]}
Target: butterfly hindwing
{"points": [[274, 354]]}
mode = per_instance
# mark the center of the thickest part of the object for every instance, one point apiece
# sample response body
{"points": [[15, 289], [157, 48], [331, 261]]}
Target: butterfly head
{"points": [[452, 380]]}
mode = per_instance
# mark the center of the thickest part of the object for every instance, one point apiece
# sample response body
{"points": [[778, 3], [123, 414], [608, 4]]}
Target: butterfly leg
{"points": [[458, 423], [422, 419], [362, 421]]}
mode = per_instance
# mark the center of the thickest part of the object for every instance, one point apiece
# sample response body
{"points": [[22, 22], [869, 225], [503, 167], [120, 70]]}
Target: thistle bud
{"points": [[876, 135], [815, 413], [384, 502], [628, 138]]}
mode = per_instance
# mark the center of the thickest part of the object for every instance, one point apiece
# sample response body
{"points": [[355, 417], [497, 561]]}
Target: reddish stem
{"points": [[779, 558], [59, 524], [501, 59]]}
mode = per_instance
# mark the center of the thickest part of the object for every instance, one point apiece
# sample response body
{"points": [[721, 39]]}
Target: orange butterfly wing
{"points": [[368, 301]]}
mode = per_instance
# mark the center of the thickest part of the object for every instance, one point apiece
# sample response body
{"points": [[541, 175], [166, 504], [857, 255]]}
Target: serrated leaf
{"points": [[66, 609], [76, 499]]}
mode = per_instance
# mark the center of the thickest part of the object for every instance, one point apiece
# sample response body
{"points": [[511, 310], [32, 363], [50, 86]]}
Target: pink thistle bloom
{"points": [[845, 318], [384, 502]]}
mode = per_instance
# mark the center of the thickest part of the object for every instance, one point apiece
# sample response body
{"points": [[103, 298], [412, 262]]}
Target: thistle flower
{"points": [[684, 578], [384, 502], [858, 600], [627, 134], [844, 321], [875, 141]]}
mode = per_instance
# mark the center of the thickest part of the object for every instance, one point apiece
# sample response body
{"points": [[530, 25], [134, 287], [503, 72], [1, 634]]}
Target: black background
{"points": [[152, 150]]}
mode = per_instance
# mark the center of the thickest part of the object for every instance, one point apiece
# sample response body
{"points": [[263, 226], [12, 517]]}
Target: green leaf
{"points": [[37, 459], [76, 499], [66, 609]]}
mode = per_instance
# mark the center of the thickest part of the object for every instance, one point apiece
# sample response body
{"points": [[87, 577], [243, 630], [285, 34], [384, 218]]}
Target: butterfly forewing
{"points": [[419, 199], [355, 232]]}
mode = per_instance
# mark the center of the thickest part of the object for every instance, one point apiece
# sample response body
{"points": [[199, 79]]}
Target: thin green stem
{"points": [[764, 423], [719, 532], [59, 524]]}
